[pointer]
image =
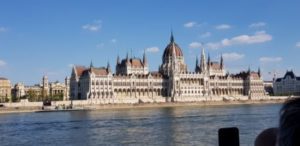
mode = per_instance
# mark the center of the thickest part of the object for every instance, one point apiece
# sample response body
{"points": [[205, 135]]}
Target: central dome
{"points": [[169, 49]]}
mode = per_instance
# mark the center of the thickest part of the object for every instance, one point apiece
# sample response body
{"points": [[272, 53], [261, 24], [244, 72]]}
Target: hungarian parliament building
{"points": [[172, 82]]}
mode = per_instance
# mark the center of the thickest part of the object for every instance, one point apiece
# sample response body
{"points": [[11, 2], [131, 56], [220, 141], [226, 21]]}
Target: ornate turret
{"points": [[197, 65], [145, 62], [208, 62], [172, 59], [221, 62], [249, 70], [118, 60], [172, 46], [45, 82], [67, 81], [108, 68], [127, 58], [202, 63], [91, 64]]}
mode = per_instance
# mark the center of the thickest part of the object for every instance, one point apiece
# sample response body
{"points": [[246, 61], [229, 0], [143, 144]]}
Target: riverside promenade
{"points": [[126, 103]]}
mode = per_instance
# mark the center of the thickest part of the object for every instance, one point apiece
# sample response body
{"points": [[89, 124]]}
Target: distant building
{"points": [[44, 89], [269, 87], [172, 81], [288, 85], [5, 90]]}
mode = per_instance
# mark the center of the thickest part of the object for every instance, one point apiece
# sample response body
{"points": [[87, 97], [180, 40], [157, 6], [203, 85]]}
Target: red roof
{"points": [[99, 71], [169, 50], [79, 70], [136, 63], [215, 65]]}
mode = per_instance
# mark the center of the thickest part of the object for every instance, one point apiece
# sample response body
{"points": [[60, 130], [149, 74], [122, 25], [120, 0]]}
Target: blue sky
{"points": [[46, 37]]}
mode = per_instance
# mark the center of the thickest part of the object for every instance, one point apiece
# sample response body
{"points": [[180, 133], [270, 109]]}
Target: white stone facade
{"points": [[287, 85], [172, 82], [45, 89]]}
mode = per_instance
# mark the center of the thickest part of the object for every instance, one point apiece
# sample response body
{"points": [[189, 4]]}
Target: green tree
{"points": [[32, 96]]}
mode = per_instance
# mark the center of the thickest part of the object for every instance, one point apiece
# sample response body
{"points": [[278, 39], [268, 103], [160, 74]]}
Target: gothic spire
{"points": [[172, 37], [202, 63], [221, 62], [197, 64], [249, 70], [208, 61], [258, 71], [108, 67], [127, 58], [118, 60], [145, 62], [91, 65]]}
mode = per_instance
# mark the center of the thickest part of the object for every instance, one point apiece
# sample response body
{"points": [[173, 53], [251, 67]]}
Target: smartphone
{"points": [[229, 136]]}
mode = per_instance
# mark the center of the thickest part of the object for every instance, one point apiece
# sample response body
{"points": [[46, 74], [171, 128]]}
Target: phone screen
{"points": [[229, 136]]}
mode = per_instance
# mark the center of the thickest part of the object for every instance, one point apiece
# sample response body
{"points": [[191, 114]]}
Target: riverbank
{"points": [[26, 109], [185, 104]]}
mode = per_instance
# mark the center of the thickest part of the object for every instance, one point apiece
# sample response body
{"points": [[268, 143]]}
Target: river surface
{"points": [[140, 126]]}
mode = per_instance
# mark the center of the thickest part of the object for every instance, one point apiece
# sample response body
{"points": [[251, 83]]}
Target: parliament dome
{"points": [[168, 52]]}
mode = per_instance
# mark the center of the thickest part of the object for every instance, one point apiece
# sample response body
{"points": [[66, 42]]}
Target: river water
{"points": [[141, 126]]}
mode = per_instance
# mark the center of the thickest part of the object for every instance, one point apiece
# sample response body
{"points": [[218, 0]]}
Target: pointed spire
{"points": [[202, 63], [145, 62], [197, 64], [127, 58], [249, 70], [172, 37], [221, 62], [258, 71], [91, 65], [108, 67], [118, 60], [208, 59]]}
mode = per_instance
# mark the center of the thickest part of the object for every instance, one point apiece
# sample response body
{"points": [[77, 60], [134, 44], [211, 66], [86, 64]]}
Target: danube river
{"points": [[196, 125]]}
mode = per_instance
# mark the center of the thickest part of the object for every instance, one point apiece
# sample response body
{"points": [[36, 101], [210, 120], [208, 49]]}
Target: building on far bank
{"points": [[173, 81], [5, 90], [269, 87], [287, 85], [44, 89]]}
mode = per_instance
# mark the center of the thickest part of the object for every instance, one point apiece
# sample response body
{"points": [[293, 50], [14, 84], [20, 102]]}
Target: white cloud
{"points": [[270, 59], [3, 29], [258, 37], [94, 27], [152, 49], [195, 45], [298, 44], [193, 24], [190, 24], [2, 63], [233, 56], [257, 24], [223, 26], [113, 40], [205, 35]]}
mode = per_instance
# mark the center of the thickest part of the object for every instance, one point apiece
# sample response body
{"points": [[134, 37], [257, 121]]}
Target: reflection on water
{"points": [[157, 126]]}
